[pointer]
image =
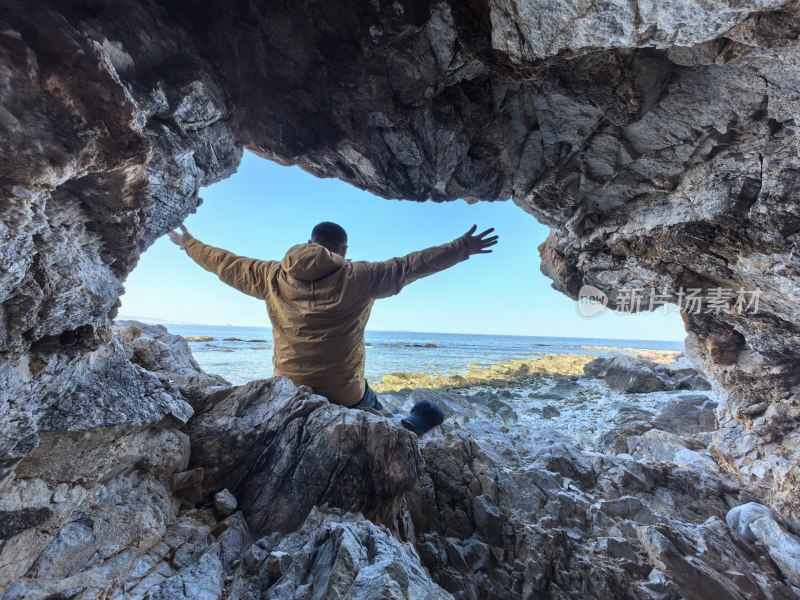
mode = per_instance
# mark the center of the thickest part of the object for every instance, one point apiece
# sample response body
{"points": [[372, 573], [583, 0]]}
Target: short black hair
{"points": [[330, 235]]}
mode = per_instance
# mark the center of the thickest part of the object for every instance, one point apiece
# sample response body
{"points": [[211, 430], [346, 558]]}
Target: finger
{"points": [[491, 239], [471, 230], [184, 230], [484, 251], [487, 232], [486, 244]]}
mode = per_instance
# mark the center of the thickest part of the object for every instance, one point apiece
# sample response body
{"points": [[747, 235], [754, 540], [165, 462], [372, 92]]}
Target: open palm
{"points": [[181, 239], [480, 243]]}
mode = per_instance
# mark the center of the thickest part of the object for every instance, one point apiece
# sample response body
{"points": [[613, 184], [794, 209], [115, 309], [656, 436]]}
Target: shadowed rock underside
{"points": [[658, 145]]}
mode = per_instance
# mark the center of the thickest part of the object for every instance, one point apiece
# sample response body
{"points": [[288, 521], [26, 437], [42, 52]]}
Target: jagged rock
{"points": [[562, 390], [628, 508], [96, 542], [203, 580], [783, 547], [635, 375], [668, 447], [683, 378], [153, 348], [629, 420], [335, 555], [695, 579], [282, 450], [98, 390], [496, 526], [188, 485], [109, 430], [193, 560], [689, 417]]}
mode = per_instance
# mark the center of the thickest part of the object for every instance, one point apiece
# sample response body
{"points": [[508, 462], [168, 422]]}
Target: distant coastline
{"points": [[165, 322]]}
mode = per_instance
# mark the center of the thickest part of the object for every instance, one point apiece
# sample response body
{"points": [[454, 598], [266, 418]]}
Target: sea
{"points": [[241, 354]]}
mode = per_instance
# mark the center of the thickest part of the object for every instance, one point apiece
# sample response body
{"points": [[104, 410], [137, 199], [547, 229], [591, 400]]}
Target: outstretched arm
{"points": [[389, 277], [247, 275]]}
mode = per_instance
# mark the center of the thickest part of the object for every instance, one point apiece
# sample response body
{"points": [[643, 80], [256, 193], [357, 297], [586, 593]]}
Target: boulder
{"points": [[225, 503], [598, 368], [281, 450], [683, 376], [740, 517], [633, 376], [688, 415]]}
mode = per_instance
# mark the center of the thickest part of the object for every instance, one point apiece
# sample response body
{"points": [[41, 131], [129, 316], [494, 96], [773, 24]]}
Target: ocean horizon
{"points": [[241, 354], [165, 323]]}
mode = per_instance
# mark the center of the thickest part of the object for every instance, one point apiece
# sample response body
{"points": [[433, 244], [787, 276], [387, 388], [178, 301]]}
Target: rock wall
{"points": [[659, 144], [334, 502]]}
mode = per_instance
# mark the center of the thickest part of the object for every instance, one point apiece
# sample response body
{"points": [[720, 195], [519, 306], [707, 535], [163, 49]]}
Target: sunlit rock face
{"points": [[658, 143]]}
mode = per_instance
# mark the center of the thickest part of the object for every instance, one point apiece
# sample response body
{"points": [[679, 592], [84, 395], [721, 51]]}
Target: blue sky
{"points": [[266, 208]]}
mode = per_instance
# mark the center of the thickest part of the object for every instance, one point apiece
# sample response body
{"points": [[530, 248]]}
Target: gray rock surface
{"points": [[740, 517], [334, 555], [491, 511], [225, 502], [153, 348], [551, 520], [783, 547], [633, 376], [282, 450], [667, 447], [689, 414], [659, 144], [96, 490]]}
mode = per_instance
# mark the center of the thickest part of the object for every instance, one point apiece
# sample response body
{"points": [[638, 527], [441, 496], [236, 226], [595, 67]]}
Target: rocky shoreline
{"points": [[269, 491], [513, 373]]}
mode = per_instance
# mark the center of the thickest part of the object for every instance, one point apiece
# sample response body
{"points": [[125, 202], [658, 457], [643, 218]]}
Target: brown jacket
{"points": [[319, 304]]}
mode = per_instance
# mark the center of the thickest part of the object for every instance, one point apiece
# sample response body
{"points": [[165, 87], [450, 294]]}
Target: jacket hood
{"points": [[311, 262]]}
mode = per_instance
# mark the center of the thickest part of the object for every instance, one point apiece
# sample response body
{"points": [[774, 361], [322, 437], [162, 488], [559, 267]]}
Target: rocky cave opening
{"points": [[263, 209], [657, 142]]}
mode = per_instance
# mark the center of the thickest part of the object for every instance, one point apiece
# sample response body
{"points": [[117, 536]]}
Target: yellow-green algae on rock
{"points": [[511, 372]]}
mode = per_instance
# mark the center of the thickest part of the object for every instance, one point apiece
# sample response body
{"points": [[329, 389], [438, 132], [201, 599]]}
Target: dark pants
{"points": [[369, 400]]}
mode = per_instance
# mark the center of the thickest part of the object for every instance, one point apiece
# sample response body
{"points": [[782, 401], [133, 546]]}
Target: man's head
{"points": [[331, 236]]}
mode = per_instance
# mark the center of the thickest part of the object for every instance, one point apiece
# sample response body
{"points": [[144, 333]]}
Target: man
{"points": [[319, 303]]}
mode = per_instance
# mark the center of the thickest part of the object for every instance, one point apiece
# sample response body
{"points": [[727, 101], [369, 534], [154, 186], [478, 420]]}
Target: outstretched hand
{"points": [[479, 244], [181, 239]]}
